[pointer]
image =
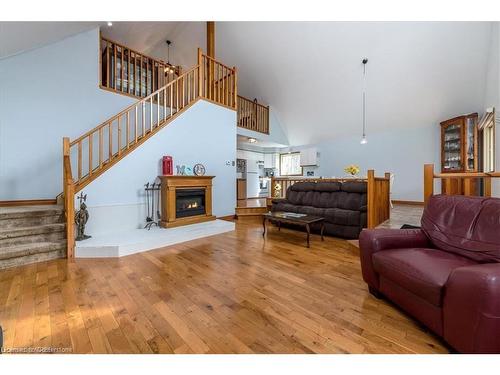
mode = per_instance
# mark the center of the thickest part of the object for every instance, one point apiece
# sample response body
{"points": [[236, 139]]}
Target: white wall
{"points": [[402, 152], [203, 134], [46, 94]]}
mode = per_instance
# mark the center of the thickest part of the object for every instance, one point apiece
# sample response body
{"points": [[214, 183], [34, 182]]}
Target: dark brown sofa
{"points": [[342, 204]]}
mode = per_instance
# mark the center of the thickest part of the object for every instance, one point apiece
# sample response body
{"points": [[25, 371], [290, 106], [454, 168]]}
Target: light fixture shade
{"points": [[364, 141], [110, 23]]}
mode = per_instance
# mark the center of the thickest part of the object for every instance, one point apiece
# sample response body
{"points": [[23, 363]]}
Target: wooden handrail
{"points": [[430, 175], [252, 115], [91, 154], [69, 202], [132, 106], [378, 193]]}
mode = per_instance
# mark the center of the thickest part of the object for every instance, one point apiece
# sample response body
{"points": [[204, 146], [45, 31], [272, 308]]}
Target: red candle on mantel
{"points": [[167, 164]]}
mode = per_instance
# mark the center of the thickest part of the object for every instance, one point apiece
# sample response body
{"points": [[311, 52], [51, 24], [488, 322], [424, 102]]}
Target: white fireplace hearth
{"points": [[129, 242]]}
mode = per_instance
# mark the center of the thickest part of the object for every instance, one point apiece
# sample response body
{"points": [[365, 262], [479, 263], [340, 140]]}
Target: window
{"points": [[487, 125], [290, 164]]}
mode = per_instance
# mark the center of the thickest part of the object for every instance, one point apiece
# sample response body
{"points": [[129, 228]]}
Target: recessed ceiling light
{"points": [[110, 23], [252, 140]]}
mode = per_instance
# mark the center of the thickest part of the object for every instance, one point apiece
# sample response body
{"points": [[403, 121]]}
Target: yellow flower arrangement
{"points": [[352, 169]]}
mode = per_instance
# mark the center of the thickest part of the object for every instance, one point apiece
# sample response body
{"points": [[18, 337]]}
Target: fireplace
{"points": [[189, 202], [185, 200]]}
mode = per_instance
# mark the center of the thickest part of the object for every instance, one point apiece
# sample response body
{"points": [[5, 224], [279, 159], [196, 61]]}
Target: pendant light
{"points": [[169, 68], [363, 138]]}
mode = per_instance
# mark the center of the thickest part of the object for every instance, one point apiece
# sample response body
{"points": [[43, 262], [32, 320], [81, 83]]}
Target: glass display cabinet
{"points": [[459, 144]]}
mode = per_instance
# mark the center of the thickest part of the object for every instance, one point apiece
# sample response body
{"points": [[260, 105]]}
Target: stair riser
{"points": [[34, 258], [42, 237], [21, 222]]}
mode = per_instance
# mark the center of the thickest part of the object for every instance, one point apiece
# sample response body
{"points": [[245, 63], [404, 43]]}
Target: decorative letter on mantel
{"points": [[185, 200]]}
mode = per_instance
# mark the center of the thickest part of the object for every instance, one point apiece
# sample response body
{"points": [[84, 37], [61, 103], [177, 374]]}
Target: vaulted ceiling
{"points": [[310, 73]]}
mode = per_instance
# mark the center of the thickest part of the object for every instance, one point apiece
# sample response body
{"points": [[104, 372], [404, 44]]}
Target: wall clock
{"points": [[199, 169]]}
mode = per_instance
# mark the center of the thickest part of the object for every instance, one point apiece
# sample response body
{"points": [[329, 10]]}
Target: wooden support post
{"points": [[428, 182], [235, 87], [467, 183], [211, 39], [487, 187], [371, 198], [200, 72]]}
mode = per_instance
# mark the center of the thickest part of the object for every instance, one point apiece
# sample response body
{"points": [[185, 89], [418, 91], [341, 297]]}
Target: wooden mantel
{"points": [[169, 186]]}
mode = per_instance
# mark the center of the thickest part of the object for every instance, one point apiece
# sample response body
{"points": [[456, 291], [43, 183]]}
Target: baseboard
{"points": [[410, 203], [28, 202], [227, 217]]}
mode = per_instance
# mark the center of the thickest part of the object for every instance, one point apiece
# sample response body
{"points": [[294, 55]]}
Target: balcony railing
{"points": [[129, 72], [252, 115]]}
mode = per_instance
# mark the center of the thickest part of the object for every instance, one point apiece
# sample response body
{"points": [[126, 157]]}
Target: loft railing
{"points": [[378, 193], [457, 183], [129, 72], [218, 82], [93, 153], [252, 115]]}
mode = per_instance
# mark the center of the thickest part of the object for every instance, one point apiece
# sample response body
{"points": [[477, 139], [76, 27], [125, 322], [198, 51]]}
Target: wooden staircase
{"points": [[90, 155]]}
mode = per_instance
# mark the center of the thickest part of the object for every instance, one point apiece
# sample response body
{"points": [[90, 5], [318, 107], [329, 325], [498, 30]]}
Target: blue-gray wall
{"points": [[46, 94], [402, 152], [205, 133]]}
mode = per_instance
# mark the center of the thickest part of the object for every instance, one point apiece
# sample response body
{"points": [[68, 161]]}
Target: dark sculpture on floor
{"points": [[81, 218]]}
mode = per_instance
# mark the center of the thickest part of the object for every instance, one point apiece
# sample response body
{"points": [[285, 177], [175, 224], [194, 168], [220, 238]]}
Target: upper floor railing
{"points": [[130, 72], [252, 115]]}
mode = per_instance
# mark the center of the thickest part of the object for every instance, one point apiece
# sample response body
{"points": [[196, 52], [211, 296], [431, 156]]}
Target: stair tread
{"points": [[15, 212], [33, 230], [17, 251]]}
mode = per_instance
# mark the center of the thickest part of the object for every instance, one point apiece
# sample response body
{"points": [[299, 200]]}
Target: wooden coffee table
{"points": [[290, 218]]}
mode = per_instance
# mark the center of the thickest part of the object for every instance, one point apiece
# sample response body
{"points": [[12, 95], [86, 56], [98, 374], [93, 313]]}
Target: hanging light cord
{"points": [[365, 61]]}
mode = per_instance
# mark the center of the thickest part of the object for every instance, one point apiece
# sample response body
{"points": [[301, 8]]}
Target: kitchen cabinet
{"points": [[241, 188], [309, 157], [272, 161]]}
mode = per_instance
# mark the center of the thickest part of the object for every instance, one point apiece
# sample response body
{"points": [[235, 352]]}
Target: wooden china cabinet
{"points": [[459, 150]]}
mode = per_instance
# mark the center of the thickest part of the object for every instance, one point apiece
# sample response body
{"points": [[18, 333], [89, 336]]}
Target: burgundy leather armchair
{"points": [[447, 274]]}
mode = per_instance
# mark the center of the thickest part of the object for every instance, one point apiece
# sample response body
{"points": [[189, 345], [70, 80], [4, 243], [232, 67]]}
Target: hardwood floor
{"points": [[231, 293]]}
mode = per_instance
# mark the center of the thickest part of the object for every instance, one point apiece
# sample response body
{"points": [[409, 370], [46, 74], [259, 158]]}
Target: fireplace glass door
{"points": [[189, 202]]}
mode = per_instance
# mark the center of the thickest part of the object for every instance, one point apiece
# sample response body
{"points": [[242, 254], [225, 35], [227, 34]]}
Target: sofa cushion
{"points": [[309, 210], [327, 186], [303, 186], [354, 187], [422, 271], [284, 207], [342, 217], [351, 201], [467, 226], [325, 199]]}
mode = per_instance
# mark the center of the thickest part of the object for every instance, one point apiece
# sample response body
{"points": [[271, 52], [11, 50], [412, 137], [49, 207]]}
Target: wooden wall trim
{"points": [[28, 202]]}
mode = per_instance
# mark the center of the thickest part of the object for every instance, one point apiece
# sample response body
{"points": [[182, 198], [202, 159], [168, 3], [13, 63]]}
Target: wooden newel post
{"points": [[428, 182], [69, 199]]}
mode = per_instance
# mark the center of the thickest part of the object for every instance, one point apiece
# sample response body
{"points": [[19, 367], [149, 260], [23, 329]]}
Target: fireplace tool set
{"points": [[153, 203]]}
